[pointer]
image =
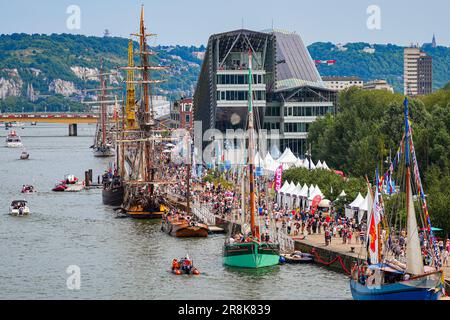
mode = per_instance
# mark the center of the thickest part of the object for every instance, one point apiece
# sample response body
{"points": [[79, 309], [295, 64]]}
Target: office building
{"points": [[288, 92]]}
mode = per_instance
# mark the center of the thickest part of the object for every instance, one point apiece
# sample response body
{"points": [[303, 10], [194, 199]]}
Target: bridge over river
{"points": [[72, 119]]}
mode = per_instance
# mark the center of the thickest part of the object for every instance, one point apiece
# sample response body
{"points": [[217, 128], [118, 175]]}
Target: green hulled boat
{"points": [[251, 253]]}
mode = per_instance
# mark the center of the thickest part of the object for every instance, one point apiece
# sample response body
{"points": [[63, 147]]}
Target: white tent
{"points": [[289, 194], [284, 187], [357, 202], [304, 191], [258, 161], [324, 203], [313, 166], [319, 165], [364, 205], [281, 191], [318, 191], [325, 166], [288, 157], [298, 163], [342, 194]]}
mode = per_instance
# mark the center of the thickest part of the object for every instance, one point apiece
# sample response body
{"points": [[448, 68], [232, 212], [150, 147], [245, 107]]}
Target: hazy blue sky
{"points": [[192, 21]]}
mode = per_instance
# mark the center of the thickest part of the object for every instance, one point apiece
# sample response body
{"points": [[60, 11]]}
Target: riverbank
{"points": [[339, 256]]}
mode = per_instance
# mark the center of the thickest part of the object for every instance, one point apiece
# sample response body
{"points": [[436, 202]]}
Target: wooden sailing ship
{"points": [[104, 139], [179, 221], [251, 251], [142, 157], [103, 144], [391, 271]]}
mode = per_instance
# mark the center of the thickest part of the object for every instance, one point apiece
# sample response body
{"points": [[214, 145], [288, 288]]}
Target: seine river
{"points": [[118, 258]]}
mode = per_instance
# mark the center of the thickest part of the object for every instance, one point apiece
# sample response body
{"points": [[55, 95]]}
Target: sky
{"points": [[191, 22]]}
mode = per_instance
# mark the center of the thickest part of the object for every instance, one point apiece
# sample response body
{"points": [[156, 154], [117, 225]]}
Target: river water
{"points": [[118, 258]]}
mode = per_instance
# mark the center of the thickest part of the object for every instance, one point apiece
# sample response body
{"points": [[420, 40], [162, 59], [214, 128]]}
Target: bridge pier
{"points": [[73, 132]]}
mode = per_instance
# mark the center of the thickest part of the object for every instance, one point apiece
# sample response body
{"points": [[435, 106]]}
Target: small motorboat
{"points": [[13, 140], [60, 187], [19, 208], [298, 257], [28, 189], [70, 179], [184, 266], [24, 155]]}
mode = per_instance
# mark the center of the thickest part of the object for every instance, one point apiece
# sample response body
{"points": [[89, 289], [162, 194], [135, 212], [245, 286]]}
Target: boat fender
{"points": [[282, 259], [196, 272]]}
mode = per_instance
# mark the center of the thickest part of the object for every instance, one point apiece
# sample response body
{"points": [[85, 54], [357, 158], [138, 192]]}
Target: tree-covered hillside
{"points": [[385, 63], [40, 59]]}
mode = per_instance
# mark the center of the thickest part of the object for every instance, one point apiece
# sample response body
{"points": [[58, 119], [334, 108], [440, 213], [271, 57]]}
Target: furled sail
{"points": [[414, 262]]}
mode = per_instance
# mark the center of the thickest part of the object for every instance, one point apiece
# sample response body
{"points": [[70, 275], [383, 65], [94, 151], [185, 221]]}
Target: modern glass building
{"points": [[288, 92]]}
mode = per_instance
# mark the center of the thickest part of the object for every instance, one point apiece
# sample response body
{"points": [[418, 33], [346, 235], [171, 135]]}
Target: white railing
{"points": [[286, 242], [204, 213]]}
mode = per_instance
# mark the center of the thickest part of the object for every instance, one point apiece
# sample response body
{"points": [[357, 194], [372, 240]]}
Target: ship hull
{"points": [[103, 153], [113, 197], [251, 255], [423, 288], [185, 230], [145, 213]]}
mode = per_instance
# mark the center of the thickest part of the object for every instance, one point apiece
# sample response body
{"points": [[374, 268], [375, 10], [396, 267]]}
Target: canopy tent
{"points": [[342, 194], [357, 202], [364, 205], [325, 166], [258, 161], [284, 187], [311, 190], [317, 190], [298, 163], [304, 191], [324, 203], [281, 191], [288, 199], [288, 157], [313, 166], [319, 165]]}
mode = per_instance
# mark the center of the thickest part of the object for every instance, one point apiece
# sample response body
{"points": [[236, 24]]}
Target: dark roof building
{"points": [[288, 92]]}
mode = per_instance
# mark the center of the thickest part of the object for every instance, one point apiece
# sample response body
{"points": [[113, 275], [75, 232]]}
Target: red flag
{"points": [[315, 203]]}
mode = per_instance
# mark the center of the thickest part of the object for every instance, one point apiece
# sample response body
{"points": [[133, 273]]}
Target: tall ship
{"points": [[103, 145], [112, 180], [142, 142], [13, 140], [249, 249], [179, 220], [403, 261]]}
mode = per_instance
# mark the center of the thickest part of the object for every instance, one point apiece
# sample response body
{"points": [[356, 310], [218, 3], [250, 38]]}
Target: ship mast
{"points": [[103, 105], [131, 94], [414, 262], [251, 146]]}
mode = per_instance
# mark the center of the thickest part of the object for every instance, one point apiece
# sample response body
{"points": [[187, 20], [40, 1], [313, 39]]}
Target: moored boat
{"points": [[183, 226], [70, 179], [419, 276], [19, 208], [60, 187], [298, 257], [113, 190], [251, 250]]}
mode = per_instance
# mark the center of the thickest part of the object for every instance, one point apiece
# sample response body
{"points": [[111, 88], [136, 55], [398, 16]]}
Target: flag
{"points": [[377, 205], [278, 178]]}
